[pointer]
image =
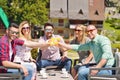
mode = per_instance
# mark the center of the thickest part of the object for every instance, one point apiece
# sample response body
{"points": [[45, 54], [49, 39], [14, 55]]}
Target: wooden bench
{"points": [[116, 70], [10, 76]]}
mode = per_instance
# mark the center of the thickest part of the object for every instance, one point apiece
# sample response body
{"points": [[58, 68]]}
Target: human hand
{"points": [[33, 60], [25, 71], [63, 58], [94, 72], [60, 45]]}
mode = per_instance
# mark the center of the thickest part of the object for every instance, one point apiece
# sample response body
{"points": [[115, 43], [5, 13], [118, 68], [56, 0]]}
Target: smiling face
{"points": [[48, 31], [78, 31], [91, 31], [25, 29], [13, 33]]}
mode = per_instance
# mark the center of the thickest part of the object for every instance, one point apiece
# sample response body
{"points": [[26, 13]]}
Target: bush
{"points": [[116, 46], [115, 23], [34, 53], [118, 38], [108, 20]]}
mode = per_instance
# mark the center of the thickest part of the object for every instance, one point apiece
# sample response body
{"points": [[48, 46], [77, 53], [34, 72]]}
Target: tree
{"points": [[34, 11]]}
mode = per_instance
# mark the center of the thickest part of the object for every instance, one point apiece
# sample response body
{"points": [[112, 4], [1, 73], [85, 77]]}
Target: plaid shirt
{"points": [[4, 49]]}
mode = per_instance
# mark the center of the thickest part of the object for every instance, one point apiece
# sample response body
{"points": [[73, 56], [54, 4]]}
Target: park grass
{"points": [[72, 54]]}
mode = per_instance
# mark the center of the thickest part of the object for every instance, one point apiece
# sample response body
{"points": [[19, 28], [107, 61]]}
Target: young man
{"points": [[8, 51], [101, 49], [51, 55]]}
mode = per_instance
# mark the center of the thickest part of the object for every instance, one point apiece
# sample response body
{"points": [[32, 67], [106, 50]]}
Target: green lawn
{"points": [[72, 54]]}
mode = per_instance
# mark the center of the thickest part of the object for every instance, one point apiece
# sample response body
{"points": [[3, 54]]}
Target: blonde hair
{"points": [[20, 30], [83, 37]]}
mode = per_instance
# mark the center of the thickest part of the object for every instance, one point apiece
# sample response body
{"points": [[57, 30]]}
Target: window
{"points": [[96, 12], [61, 22], [80, 12]]}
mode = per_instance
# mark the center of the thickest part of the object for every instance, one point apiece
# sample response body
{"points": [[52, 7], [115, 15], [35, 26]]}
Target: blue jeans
{"points": [[29, 68], [66, 63], [84, 72]]}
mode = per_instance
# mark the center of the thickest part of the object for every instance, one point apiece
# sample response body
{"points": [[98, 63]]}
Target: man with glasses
{"points": [[51, 55], [8, 43], [100, 46]]}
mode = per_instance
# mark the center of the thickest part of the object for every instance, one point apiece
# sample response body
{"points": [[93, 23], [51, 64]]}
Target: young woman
{"points": [[85, 57], [23, 53]]}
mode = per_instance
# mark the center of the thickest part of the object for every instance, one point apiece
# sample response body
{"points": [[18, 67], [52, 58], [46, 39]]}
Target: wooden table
{"points": [[58, 75]]}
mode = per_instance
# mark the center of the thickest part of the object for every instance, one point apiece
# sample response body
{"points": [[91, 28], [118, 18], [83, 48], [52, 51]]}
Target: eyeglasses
{"points": [[78, 30], [90, 30], [25, 28], [48, 30], [14, 32]]}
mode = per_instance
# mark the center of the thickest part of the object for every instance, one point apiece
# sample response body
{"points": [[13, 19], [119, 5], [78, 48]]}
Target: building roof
{"points": [[117, 16], [76, 10], [58, 14], [96, 10], [58, 8]]}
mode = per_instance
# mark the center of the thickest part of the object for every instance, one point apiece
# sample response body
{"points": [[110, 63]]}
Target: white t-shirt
{"points": [[10, 51]]}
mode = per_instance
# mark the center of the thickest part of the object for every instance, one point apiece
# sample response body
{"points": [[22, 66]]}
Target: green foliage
{"points": [[115, 36], [115, 23], [34, 11], [34, 53], [116, 46], [118, 37], [3, 4], [112, 27]]}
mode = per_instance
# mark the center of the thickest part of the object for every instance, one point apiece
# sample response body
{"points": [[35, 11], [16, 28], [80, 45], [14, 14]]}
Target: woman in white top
{"points": [[23, 53]]}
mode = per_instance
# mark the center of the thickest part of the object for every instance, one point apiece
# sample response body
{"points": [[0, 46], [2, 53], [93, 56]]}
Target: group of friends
{"points": [[16, 46]]}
